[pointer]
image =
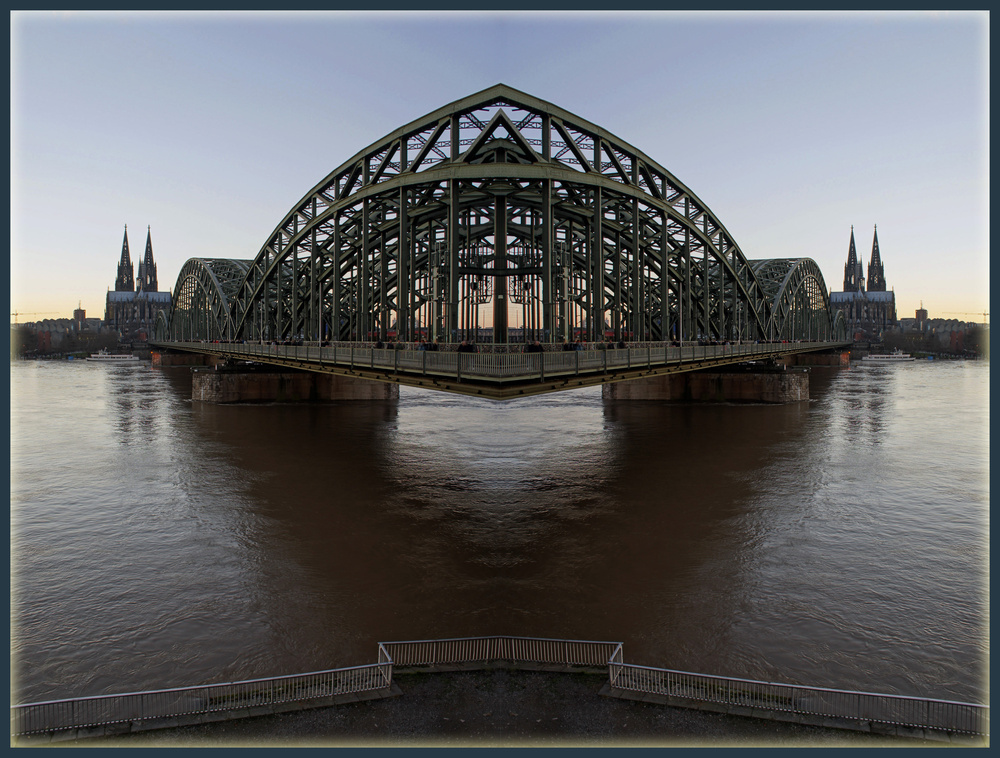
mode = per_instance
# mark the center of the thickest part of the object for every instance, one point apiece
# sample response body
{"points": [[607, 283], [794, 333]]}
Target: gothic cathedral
{"points": [[133, 305], [869, 310]]}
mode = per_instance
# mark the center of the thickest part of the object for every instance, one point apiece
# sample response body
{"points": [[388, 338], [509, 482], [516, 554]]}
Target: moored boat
{"points": [[896, 356], [105, 357]]}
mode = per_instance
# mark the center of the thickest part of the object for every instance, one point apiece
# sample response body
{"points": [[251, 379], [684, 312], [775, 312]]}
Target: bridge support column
{"points": [[332, 387], [715, 387], [223, 386]]}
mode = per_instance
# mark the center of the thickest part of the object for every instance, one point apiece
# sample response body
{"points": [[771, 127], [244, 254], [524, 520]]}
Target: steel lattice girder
{"points": [[800, 301], [593, 233], [202, 301]]}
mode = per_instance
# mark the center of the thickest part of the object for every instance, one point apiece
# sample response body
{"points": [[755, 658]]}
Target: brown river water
{"points": [[840, 542]]}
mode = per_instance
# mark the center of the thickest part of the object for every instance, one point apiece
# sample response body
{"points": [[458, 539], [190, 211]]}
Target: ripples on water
{"points": [[158, 542]]}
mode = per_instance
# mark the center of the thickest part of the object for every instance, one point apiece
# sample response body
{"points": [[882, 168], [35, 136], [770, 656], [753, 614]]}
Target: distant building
{"points": [[133, 304], [937, 329], [58, 334], [52, 332], [867, 311]]}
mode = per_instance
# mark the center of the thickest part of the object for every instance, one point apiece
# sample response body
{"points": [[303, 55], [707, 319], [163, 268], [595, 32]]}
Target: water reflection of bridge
{"points": [[502, 211]]}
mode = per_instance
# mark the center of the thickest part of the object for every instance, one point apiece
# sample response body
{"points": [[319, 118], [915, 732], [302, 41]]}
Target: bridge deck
{"points": [[499, 375]]}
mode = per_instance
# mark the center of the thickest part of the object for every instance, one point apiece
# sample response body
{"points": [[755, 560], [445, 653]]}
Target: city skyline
{"points": [[792, 128]]}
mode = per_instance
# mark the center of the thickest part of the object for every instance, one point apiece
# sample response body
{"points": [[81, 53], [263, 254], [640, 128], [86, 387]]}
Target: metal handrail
{"points": [[493, 649], [902, 710], [103, 710], [677, 687], [899, 710], [495, 366]]}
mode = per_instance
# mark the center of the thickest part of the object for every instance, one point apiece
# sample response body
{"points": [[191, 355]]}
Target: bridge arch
{"points": [[503, 211], [202, 299], [161, 326], [800, 303]]}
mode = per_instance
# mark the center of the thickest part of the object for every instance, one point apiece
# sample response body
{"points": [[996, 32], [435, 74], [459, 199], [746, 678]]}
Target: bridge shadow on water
{"points": [[444, 516]]}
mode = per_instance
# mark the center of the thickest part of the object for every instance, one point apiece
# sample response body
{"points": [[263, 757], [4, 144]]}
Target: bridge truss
{"points": [[501, 211]]}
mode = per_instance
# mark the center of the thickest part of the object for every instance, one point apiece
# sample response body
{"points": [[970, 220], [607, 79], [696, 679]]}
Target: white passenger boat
{"points": [[105, 357], [896, 356]]}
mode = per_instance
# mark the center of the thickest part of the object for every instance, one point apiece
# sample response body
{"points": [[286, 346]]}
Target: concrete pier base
{"points": [[238, 386], [715, 387]]}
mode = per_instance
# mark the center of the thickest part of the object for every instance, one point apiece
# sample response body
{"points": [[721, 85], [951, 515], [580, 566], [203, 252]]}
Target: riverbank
{"points": [[500, 707]]}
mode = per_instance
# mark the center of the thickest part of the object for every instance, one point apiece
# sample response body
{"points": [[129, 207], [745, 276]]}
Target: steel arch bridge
{"points": [[203, 298], [500, 210]]}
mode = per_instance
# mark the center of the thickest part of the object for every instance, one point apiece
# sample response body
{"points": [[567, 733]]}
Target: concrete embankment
{"points": [[500, 707]]}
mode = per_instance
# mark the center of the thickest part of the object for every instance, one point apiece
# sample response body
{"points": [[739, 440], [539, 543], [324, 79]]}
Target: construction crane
{"points": [[984, 314], [15, 314]]}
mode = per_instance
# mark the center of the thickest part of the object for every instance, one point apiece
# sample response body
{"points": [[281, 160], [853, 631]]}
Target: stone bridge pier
{"points": [[780, 385], [223, 385]]}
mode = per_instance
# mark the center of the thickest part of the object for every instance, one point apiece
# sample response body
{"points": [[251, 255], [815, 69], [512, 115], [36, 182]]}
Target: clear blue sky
{"points": [[208, 128]]}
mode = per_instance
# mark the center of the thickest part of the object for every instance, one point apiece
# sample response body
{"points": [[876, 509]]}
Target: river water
{"points": [[840, 542]]}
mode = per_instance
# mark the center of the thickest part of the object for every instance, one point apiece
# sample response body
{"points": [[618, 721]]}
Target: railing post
{"points": [[577, 354]]}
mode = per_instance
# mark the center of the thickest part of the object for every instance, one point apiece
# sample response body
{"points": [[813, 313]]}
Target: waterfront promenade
{"points": [[500, 707]]}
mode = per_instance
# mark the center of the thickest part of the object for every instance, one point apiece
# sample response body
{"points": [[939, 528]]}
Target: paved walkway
{"points": [[500, 708]]}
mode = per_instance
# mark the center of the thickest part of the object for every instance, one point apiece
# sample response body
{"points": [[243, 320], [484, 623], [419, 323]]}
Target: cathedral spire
{"points": [[876, 274], [147, 269], [124, 282], [854, 278]]}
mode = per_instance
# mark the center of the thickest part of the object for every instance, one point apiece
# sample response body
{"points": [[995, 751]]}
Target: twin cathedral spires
{"points": [[854, 277], [146, 281]]}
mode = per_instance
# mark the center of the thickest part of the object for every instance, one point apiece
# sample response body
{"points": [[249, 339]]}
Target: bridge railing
{"points": [[138, 707], [493, 365]]}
